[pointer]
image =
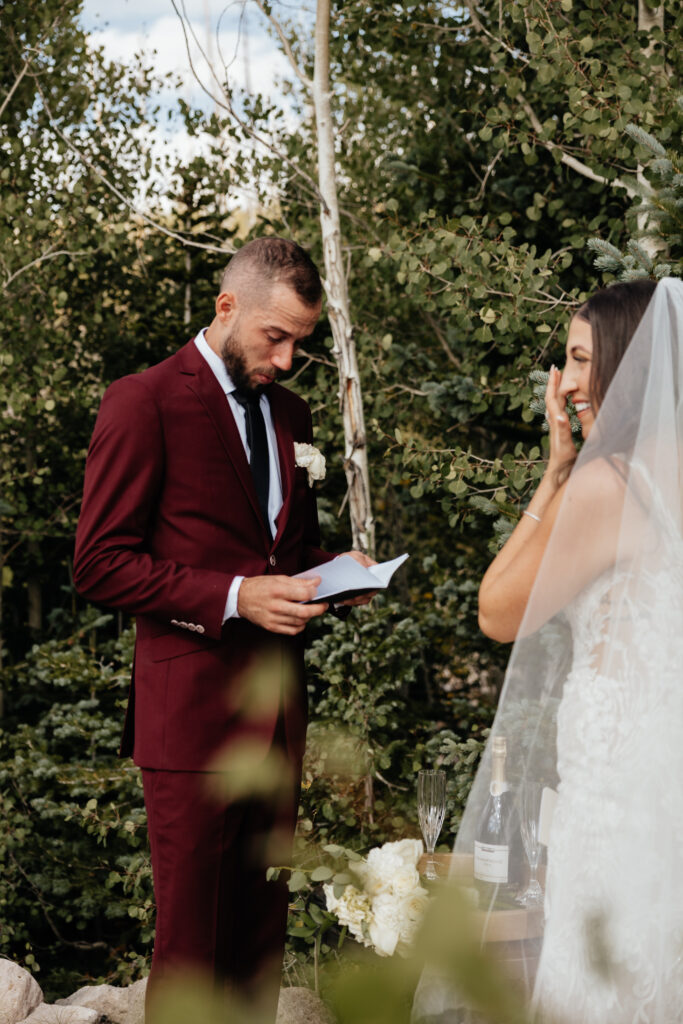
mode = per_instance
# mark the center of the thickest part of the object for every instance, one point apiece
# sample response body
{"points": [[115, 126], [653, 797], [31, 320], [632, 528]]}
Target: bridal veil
{"points": [[592, 710]]}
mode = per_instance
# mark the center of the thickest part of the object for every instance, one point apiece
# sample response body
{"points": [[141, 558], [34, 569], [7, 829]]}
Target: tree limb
{"points": [[17, 80], [304, 79], [476, 21], [441, 338], [49, 255], [489, 169], [224, 102], [118, 193], [571, 161]]}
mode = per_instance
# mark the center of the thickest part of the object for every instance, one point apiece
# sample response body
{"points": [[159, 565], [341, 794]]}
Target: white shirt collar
{"points": [[215, 362]]}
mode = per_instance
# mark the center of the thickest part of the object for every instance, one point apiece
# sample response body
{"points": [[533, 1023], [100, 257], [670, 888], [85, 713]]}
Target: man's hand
{"points": [[365, 561], [273, 603]]}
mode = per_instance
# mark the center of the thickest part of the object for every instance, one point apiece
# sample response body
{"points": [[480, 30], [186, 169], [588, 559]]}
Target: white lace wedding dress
{"points": [[613, 944]]}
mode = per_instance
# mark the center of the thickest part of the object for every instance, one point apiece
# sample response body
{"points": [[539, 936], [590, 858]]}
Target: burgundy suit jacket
{"points": [[169, 517]]}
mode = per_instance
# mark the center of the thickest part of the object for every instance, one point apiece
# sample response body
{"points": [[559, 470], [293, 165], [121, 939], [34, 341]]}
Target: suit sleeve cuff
{"points": [[231, 603]]}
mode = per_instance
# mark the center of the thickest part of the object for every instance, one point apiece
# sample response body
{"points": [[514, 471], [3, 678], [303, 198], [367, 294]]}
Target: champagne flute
{"points": [[431, 807], [529, 826]]}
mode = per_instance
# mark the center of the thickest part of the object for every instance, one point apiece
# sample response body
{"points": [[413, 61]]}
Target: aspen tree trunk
{"points": [[344, 350], [648, 18]]}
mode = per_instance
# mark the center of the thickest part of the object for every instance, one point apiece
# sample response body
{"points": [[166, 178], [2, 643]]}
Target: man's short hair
{"points": [[272, 260]]}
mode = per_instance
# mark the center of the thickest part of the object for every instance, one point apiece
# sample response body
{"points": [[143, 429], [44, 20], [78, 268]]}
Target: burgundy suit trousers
{"points": [[217, 915]]}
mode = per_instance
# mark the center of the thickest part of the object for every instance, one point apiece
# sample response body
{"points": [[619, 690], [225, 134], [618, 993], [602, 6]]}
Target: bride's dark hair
{"points": [[613, 313]]}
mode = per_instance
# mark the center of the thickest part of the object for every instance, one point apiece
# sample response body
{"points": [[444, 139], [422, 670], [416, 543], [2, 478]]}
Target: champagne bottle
{"points": [[492, 861]]}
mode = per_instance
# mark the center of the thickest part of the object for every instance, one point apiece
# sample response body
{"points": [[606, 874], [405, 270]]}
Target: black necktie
{"points": [[257, 440]]}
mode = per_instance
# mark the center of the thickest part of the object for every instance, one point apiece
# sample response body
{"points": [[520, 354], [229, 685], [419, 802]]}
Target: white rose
{"points": [[405, 879], [412, 911], [414, 905], [385, 927], [352, 909], [308, 457], [409, 850], [378, 877], [372, 881]]}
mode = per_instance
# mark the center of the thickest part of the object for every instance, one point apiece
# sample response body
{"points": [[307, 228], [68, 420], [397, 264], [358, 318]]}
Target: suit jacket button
{"points": [[183, 625], [200, 629], [192, 626], [174, 622], [273, 560]]}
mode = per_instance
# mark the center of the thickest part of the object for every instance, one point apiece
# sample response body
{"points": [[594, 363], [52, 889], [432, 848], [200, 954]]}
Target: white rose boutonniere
{"points": [[308, 457]]}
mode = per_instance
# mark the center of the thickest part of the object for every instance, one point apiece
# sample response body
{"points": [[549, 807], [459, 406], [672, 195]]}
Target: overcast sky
{"points": [[124, 27], [232, 32]]}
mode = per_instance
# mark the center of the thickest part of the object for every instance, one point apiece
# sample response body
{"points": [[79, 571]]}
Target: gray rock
{"points": [[49, 1014], [20, 993], [109, 1001], [301, 1006], [117, 1005], [136, 1003]]}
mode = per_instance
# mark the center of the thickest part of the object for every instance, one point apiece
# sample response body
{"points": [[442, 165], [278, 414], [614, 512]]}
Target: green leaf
{"points": [[297, 881], [321, 874]]}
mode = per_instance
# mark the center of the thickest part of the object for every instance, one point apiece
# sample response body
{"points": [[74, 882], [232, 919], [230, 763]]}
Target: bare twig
{"points": [[224, 101], [317, 359], [404, 387], [118, 193], [304, 79], [476, 21], [391, 785], [489, 169], [49, 255], [15, 86], [302, 369], [441, 338], [47, 34], [44, 907]]}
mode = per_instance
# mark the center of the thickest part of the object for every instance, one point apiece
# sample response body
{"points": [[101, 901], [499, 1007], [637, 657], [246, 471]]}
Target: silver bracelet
{"points": [[531, 515]]}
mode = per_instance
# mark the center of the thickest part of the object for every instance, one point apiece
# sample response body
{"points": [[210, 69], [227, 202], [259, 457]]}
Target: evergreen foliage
{"points": [[655, 249]]}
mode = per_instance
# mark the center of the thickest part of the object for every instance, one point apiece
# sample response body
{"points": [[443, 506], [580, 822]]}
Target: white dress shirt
{"points": [[275, 485]]}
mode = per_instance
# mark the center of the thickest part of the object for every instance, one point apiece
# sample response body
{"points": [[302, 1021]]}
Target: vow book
{"points": [[344, 577]]}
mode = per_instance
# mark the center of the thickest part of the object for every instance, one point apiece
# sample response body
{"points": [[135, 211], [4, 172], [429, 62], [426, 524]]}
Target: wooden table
{"points": [[513, 936]]}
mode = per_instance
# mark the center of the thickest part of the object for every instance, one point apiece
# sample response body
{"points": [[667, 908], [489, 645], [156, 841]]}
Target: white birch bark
{"points": [[344, 350], [648, 18]]}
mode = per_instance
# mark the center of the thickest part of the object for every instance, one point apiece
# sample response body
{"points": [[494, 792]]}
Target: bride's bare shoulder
{"points": [[601, 479]]}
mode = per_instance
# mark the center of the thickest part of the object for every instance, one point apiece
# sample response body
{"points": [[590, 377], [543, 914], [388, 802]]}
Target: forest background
{"points": [[478, 149]]}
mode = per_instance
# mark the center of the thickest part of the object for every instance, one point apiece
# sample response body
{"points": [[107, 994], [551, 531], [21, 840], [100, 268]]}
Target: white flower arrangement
{"points": [[307, 456], [386, 909]]}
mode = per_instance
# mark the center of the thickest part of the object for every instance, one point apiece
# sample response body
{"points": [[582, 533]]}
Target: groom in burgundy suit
{"points": [[194, 518]]}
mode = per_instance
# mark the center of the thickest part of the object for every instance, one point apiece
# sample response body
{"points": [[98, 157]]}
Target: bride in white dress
{"points": [[590, 588]]}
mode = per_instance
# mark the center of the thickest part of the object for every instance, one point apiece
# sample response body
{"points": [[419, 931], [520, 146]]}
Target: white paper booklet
{"points": [[344, 577]]}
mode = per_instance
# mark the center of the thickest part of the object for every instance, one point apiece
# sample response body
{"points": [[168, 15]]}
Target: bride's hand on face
{"points": [[562, 447]]}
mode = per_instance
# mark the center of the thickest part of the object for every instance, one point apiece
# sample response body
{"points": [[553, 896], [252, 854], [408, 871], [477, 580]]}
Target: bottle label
{"points": [[491, 863]]}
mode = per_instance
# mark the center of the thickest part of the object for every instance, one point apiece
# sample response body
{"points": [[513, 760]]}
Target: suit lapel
{"points": [[285, 447], [201, 380]]}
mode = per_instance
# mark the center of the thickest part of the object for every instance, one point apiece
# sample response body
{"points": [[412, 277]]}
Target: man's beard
{"points": [[232, 355]]}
